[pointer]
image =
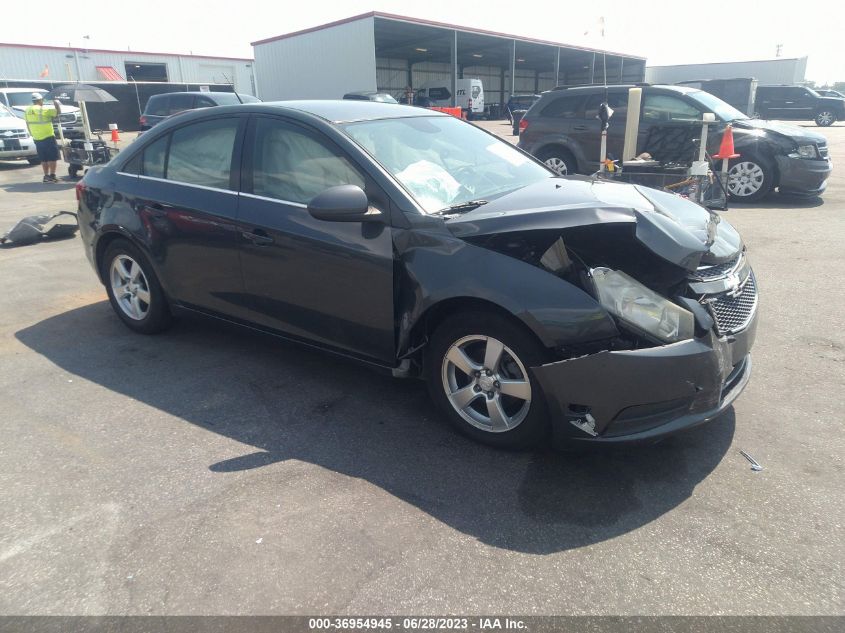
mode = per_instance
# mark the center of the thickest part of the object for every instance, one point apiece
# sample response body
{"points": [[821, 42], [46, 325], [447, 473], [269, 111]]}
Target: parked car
{"points": [[520, 102], [15, 141], [412, 241], [798, 103], [19, 99], [562, 130], [159, 107], [829, 93], [379, 97]]}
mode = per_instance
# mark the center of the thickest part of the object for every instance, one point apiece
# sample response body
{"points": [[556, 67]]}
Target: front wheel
{"points": [[478, 372], [559, 160], [749, 179], [133, 288], [825, 118]]}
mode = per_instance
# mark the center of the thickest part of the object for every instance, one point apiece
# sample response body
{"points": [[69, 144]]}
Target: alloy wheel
{"points": [[557, 165], [130, 287], [486, 383], [745, 179], [825, 118]]}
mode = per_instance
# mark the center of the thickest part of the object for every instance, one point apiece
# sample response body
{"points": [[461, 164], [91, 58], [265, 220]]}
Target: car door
{"points": [[778, 103], [327, 282], [588, 129], [805, 104], [187, 200]]}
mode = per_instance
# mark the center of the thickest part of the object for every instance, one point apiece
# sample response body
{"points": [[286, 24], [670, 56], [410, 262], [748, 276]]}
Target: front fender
{"points": [[437, 267]]}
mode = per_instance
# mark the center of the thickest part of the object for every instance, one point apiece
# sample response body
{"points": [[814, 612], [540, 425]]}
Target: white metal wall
{"points": [[322, 64], [773, 71], [28, 63]]}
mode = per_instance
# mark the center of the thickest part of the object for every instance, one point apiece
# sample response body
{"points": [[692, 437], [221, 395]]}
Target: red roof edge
{"points": [[107, 50], [445, 25]]}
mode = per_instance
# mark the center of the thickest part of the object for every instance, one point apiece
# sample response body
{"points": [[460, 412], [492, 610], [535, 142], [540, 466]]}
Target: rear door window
{"points": [[439, 94], [566, 107], [155, 156], [618, 102], [201, 153]]}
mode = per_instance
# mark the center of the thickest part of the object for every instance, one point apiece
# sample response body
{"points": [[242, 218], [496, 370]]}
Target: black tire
{"points": [[825, 118], [751, 189], [157, 317], [33, 161], [533, 424], [73, 170], [557, 155]]}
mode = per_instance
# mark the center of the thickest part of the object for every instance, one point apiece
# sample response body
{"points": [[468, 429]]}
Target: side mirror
{"points": [[344, 203]]}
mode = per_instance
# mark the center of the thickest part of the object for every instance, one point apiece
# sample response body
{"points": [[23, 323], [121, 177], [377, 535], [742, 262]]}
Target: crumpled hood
{"points": [[793, 132], [672, 227]]}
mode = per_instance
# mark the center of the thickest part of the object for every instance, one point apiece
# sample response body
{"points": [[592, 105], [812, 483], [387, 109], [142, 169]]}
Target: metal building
{"points": [[388, 53], [766, 71], [57, 64]]}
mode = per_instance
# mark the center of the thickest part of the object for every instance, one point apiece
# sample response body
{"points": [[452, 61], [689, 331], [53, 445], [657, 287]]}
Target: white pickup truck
{"points": [[15, 141], [19, 99]]}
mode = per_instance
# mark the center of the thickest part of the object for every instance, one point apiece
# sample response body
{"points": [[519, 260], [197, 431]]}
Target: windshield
{"points": [[21, 98], [722, 110], [444, 162]]}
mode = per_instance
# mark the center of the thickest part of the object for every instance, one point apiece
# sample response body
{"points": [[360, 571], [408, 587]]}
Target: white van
{"points": [[469, 96]]}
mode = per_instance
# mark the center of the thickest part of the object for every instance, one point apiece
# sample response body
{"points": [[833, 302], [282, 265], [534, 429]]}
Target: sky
{"points": [[663, 32]]}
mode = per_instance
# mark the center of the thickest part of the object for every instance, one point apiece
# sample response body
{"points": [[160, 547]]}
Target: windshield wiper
{"points": [[469, 205]]}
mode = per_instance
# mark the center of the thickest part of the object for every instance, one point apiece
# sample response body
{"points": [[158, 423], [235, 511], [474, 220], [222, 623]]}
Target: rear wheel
{"points": [[825, 118], [559, 159], [750, 178], [133, 288], [478, 373]]}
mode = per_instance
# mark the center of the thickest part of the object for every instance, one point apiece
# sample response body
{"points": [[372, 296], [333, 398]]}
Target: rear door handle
{"points": [[579, 128], [258, 237]]}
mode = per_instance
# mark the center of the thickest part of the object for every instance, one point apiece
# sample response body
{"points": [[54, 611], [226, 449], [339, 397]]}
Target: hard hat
{"points": [[37, 96]]}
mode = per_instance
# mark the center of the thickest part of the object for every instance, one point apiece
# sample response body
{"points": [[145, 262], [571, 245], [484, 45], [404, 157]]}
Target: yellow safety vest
{"points": [[39, 118]]}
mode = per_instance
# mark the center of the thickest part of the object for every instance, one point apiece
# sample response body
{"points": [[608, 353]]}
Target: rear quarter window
{"points": [[157, 106]]}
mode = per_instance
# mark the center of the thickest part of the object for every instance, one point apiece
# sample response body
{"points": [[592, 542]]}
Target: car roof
{"points": [[192, 92], [340, 111]]}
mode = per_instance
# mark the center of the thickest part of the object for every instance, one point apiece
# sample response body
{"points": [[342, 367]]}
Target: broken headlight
{"points": [[641, 308]]}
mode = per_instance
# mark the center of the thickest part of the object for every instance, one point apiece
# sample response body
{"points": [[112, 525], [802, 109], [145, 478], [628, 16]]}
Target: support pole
{"points": [[513, 67], [557, 68], [454, 69], [593, 70]]}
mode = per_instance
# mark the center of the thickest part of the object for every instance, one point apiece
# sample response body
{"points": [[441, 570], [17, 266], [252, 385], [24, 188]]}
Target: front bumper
{"points": [[645, 394], [802, 177]]}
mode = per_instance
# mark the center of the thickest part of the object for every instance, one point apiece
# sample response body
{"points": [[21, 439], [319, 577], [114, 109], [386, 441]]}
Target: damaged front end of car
{"points": [[676, 282]]}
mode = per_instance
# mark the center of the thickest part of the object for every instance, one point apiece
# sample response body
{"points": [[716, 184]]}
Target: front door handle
{"points": [[258, 237]]}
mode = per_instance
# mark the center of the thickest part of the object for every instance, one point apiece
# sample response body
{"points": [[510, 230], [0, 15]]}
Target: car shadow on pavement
{"points": [[38, 187], [780, 201], [290, 402]]}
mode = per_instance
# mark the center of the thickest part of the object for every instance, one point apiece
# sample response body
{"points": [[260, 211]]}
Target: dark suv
{"points": [[562, 130], [159, 107], [797, 103]]}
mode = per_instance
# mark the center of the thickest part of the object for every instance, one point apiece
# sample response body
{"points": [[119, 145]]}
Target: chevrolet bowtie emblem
{"points": [[734, 288]]}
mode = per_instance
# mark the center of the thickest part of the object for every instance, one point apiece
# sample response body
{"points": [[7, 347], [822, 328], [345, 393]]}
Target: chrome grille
{"points": [[14, 134], [732, 314], [67, 118], [714, 271]]}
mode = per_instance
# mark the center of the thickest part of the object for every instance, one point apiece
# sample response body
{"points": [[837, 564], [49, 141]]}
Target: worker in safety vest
{"points": [[39, 120]]}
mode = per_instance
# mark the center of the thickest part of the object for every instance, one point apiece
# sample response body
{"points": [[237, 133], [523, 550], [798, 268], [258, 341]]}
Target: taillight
{"points": [[143, 120], [80, 190], [523, 125]]}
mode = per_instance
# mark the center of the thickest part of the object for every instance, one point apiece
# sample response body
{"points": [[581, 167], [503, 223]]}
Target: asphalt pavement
{"points": [[214, 471]]}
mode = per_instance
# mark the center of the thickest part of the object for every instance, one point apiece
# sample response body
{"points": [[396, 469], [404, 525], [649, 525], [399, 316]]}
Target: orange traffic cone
{"points": [[726, 149], [115, 137]]}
